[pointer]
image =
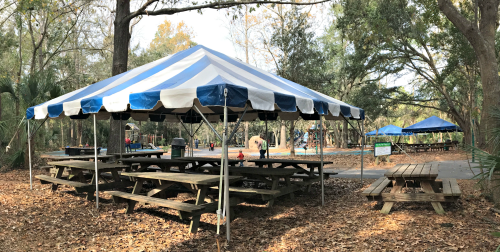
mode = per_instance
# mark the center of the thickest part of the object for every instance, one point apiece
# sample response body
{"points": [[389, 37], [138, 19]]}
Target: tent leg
{"points": [[321, 165], [226, 173], [267, 140], [95, 162], [362, 147], [121, 145], [29, 155]]}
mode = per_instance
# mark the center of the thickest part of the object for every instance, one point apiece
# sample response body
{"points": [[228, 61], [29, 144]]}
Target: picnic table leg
{"points": [[116, 176], [398, 186], [273, 187], [90, 195], [58, 175], [200, 199], [289, 184], [427, 188], [137, 190]]}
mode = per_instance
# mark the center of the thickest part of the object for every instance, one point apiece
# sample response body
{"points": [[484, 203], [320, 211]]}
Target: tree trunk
{"points": [[292, 138], [283, 135], [336, 136], [120, 58], [247, 145], [180, 130], [345, 136]]}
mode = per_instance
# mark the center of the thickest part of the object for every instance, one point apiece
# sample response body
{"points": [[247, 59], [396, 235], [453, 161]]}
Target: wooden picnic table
{"points": [[414, 175], [164, 164], [271, 177], [157, 153], [198, 162], [75, 151], [199, 184], [103, 158], [295, 163], [77, 178]]}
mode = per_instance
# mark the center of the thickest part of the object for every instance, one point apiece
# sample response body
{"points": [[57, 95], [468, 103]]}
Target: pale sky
{"points": [[210, 30]]}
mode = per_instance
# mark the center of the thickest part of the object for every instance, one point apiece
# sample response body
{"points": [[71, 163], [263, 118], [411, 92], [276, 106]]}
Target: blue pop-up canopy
{"points": [[432, 124], [389, 130]]}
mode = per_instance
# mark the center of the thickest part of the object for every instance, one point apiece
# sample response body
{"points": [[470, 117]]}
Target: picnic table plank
{"points": [[81, 157], [258, 170], [156, 153], [176, 205], [291, 161], [407, 173], [433, 171], [447, 188], [454, 187], [425, 171], [372, 187], [394, 169], [198, 179], [417, 171], [400, 171]]}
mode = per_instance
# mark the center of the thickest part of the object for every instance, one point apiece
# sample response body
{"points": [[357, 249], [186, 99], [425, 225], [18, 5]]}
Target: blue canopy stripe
{"points": [[389, 130], [433, 124], [198, 74]]}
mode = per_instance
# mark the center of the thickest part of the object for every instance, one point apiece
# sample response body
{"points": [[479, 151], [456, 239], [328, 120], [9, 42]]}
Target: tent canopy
{"points": [[389, 130], [197, 76], [432, 124]]}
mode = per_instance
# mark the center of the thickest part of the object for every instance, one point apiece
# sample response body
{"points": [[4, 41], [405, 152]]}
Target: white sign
{"points": [[382, 149]]}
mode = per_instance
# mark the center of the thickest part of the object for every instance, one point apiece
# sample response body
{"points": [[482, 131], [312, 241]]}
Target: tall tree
{"points": [[481, 33]]}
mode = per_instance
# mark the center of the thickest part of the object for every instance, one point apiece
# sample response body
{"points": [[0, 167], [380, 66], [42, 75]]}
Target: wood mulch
{"points": [[42, 220]]}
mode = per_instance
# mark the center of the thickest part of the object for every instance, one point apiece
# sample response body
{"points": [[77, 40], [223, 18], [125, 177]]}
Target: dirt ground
{"points": [[42, 220], [354, 161]]}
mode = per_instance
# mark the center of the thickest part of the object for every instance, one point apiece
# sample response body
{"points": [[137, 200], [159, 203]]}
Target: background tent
{"points": [[195, 85], [432, 124], [389, 130]]}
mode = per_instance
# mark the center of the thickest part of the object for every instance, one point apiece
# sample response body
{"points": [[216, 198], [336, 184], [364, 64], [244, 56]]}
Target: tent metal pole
{"points": [[29, 154], [267, 139], [121, 145], [321, 165], [191, 138], [96, 171], [226, 172], [207, 122], [237, 124], [362, 147]]}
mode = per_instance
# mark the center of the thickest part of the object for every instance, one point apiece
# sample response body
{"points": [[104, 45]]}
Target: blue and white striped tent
{"points": [[196, 76]]}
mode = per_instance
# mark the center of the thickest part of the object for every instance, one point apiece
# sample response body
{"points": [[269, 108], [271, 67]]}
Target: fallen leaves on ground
{"points": [[42, 220]]}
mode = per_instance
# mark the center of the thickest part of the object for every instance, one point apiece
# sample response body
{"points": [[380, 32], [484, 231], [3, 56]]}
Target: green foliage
{"points": [[16, 159]]}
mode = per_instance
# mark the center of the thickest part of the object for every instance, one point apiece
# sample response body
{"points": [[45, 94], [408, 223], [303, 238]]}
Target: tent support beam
{"points": [[208, 123], [351, 125], [237, 124], [121, 145], [39, 126], [267, 139]]}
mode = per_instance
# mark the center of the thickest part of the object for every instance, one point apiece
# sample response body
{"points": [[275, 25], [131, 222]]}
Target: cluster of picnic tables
{"points": [[267, 180]]}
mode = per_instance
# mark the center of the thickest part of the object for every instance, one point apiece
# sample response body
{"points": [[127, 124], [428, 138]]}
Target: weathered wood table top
{"points": [[413, 172], [80, 157], [197, 179], [156, 153], [86, 165], [153, 160], [258, 171], [288, 162], [205, 159]]}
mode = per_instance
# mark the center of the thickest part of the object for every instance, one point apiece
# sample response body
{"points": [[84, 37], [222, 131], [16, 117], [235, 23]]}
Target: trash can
{"points": [[447, 144], [178, 148]]}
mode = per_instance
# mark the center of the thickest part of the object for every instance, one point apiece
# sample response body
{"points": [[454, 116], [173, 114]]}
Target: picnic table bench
{"points": [[199, 184], [270, 177], [164, 164], [78, 180], [413, 175], [295, 163], [198, 162], [157, 153]]}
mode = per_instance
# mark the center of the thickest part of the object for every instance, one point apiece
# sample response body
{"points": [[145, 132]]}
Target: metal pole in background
{"points": [[95, 162], [226, 172], [321, 165], [362, 147], [473, 156], [29, 154]]}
